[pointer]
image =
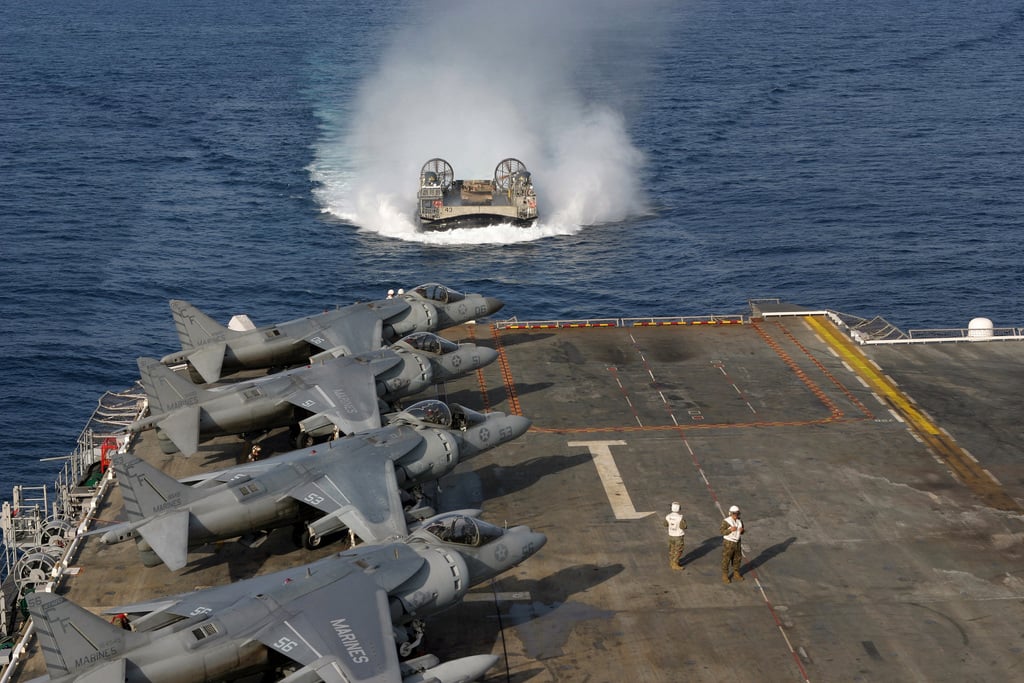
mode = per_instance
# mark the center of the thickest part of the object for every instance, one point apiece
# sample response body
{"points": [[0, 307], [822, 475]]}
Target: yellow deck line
{"points": [[966, 468], [870, 374]]}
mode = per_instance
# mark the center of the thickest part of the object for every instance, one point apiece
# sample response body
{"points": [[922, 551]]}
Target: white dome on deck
{"points": [[979, 328]]}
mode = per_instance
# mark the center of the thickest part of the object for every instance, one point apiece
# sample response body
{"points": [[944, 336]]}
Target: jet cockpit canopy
{"points": [[438, 413], [439, 293], [428, 342], [430, 411], [464, 530]]}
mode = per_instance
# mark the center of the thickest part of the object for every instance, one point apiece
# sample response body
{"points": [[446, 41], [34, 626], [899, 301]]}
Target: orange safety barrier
{"points": [[109, 444]]}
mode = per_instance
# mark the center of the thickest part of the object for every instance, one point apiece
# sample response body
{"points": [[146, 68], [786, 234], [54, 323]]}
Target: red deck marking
{"points": [[506, 374]]}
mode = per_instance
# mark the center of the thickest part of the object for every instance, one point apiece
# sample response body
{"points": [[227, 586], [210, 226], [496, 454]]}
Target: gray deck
{"points": [[872, 554]]}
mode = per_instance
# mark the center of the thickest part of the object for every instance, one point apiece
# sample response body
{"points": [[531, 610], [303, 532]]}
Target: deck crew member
{"points": [[676, 536], [732, 548]]}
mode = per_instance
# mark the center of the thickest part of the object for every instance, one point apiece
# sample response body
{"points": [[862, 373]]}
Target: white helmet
{"points": [[734, 508], [391, 292], [401, 291], [675, 507]]}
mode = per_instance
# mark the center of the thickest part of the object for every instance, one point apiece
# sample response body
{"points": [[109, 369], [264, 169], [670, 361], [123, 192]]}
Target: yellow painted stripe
{"points": [[870, 374], [969, 471]]}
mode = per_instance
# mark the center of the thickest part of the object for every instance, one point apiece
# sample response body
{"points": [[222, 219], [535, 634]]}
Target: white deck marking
{"points": [[618, 496]]}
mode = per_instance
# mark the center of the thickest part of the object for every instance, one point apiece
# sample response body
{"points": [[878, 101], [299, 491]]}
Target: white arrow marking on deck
{"points": [[618, 496]]}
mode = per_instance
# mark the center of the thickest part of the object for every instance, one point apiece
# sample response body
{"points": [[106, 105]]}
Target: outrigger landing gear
{"points": [[311, 540], [167, 446], [416, 505], [304, 538], [406, 648], [300, 438]]}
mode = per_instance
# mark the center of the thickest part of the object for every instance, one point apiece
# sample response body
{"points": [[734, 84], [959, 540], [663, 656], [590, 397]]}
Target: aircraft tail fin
{"points": [[195, 328], [147, 490], [74, 640], [153, 502], [173, 402], [166, 389]]}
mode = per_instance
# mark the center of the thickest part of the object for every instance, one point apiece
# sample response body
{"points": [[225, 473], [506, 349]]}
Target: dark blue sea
{"points": [[263, 158]]}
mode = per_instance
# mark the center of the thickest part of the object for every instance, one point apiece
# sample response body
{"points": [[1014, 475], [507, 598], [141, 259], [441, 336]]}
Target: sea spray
{"points": [[476, 84]]}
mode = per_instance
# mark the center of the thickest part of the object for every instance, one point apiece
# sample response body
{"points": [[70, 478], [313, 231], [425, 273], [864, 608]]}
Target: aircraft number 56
{"points": [[285, 644], [314, 499]]}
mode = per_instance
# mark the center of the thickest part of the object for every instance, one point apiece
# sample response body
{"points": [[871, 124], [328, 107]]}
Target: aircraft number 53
{"points": [[314, 498]]}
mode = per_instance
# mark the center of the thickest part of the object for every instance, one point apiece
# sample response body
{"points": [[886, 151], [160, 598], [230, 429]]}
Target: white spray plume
{"points": [[475, 83]]}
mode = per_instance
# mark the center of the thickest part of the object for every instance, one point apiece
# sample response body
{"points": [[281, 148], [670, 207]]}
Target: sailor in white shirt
{"points": [[676, 536], [732, 549]]}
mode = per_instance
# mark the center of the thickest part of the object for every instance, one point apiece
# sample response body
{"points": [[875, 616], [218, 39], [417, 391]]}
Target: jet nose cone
{"points": [[493, 304], [518, 425], [497, 429], [486, 355], [533, 541]]}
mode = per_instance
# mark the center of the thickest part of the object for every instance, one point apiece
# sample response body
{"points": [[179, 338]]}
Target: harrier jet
{"points": [[330, 394], [356, 482], [345, 618], [214, 350]]}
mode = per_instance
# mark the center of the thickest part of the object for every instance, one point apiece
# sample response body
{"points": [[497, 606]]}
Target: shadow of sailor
{"points": [[768, 553]]}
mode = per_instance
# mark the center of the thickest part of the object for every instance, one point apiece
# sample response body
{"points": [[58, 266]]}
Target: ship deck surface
{"points": [[881, 488]]}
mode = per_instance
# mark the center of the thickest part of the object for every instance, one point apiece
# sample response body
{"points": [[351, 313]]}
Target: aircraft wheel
{"points": [[194, 375], [150, 558], [166, 445], [303, 440], [311, 541]]}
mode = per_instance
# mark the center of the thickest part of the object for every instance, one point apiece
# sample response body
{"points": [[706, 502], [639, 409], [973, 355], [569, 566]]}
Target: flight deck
{"points": [[882, 488]]}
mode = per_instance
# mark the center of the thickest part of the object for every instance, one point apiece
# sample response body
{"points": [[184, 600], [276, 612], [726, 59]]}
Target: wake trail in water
{"points": [[475, 85]]}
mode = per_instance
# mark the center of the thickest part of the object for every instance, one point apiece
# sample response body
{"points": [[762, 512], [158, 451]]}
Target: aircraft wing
{"points": [[352, 330], [360, 489], [344, 391], [344, 630], [392, 565], [248, 470], [211, 600], [356, 334]]}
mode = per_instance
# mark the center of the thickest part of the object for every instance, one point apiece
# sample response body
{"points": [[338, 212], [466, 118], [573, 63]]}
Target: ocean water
{"points": [[262, 157]]}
